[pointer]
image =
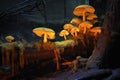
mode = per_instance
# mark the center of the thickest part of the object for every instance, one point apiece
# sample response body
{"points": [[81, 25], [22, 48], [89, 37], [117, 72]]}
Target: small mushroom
{"points": [[85, 26], [8, 49], [9, 38], [96, 30], [68, 27], [76, 21], [92, 18], [46, 32], [82, 10], [74, 31], [64, 33]]}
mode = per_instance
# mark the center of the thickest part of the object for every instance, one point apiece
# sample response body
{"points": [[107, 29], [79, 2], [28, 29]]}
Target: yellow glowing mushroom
{"points": [[85, 26], [9, 38], [68, 27], [8, 51], [76, 21], [46, 32], [82, 10], [64, 33]]}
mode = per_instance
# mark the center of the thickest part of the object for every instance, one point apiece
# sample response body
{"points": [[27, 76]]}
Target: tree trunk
{"points": [[106, 52]]}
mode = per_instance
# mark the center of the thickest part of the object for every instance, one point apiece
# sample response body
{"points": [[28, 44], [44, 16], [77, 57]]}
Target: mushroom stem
{"points": [[75, 33], [45, 38], [72, 34], [84, 30], [84, 16], [65, 37]]}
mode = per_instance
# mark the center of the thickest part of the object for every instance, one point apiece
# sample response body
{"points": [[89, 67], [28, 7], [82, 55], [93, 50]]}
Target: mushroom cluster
{"points": [[89, 18], [82, 26], [86, 12], [79, 25], [83, 22]]}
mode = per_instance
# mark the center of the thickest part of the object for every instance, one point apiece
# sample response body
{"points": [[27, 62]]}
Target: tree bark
{"points": [[105, 54]]}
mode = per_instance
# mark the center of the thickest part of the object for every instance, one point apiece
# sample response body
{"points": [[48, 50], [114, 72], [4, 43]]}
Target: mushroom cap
{"points": [[78, 11], [63, 32], [68, 26], [9, 38], [75, 29], [40, 31], [86, 24], [76, 21], [96, 29], [92, 16]]}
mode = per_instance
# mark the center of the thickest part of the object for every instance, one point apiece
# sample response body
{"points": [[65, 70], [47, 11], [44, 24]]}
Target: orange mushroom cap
{"points": [[63, 32], [78, 11], [68, 26], [96, 30], [47, 33], [76, 21], [40, 31], [83, 10], [74, 31], [86, 24], [92, 16]]}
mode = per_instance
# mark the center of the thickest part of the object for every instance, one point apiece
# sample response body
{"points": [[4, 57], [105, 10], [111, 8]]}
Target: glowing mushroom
{"points": [[46, 32], [76, 21], [85, 26], [96, 30], [74, 31], [64, 33], [82, 10], [9, 38], [8, 50], [68, 27], [92, 18]]}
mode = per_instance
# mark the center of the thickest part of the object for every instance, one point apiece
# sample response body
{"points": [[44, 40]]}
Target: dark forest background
{"points": [[19, 17]]}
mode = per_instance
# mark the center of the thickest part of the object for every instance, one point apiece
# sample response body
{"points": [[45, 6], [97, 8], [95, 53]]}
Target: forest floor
{"points": [[81, 74]]}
